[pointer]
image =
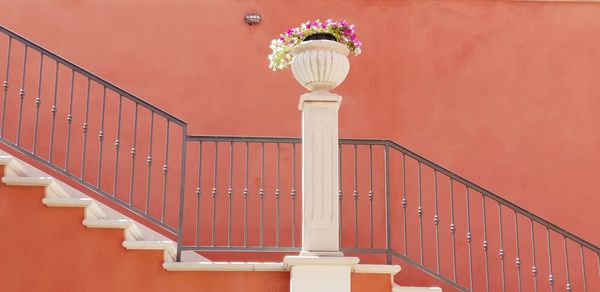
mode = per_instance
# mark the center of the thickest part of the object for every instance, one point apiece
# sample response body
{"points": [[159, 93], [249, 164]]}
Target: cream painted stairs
{"points": [[139, 237]]}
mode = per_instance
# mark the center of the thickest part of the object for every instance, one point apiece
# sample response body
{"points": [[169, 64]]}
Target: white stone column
{"points": [[320, 204], [320, 66], [320, 266]]}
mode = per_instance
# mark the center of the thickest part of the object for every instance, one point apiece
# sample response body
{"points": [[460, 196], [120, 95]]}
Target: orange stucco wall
{"points": [[504, 93]]}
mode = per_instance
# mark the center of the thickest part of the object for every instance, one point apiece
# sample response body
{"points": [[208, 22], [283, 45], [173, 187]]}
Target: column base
{"points": [[321, 254], [320, 273]]}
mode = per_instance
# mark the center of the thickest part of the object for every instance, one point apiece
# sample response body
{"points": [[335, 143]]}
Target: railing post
{"points": [[388, 223], [181, 192]]}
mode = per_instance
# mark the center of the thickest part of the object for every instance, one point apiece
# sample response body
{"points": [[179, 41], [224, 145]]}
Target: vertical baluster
{"points": [[469, 238], [85, 128], [485, 245], [69, 121], [534, 268], [199, 193], [436, 220], [214, 195], [568, 286], [518, 259], [501, 254], [452, 229], [293, 195], [165, 173], [340, 194], [550, 276], [230, 193], [262, 190], [5, 85], [371, 193], [404, 203], [277, 199], [133, 154], [22, 95], [101, 137], [149, 162], [420, 213], [246, 195], [53, 111], [583, 268], [38, 102], [355, 196], [117, 148]]}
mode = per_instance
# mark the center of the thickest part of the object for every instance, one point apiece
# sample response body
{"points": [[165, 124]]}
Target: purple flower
{"points": [[282, 46]]}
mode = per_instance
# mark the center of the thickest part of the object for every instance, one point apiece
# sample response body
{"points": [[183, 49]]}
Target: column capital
{"points": [[319, 96]]}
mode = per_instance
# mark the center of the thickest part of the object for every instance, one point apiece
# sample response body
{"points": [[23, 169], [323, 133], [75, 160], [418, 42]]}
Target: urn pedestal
{"points": [[320, 65]]}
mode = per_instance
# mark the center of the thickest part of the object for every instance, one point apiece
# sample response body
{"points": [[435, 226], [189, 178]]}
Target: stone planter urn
{"points": [[320, 65]]}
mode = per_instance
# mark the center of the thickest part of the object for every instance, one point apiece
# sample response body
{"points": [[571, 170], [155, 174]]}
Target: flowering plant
{"points": [[282, 46]]}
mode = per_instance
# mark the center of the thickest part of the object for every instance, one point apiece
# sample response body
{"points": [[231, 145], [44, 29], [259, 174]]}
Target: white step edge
{"points": [[376, 269], [92, 210], [132, 232], [169, 247], [12, 166], [53, 189], [398, 288], [224, 266]]}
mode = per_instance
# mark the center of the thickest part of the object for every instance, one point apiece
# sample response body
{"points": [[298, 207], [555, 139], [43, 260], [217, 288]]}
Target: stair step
{"points": [[377, 269], [397, 288], [132, 232], [92, 210], [12, 166], [169, 247], [224, 266], [53, 189]]}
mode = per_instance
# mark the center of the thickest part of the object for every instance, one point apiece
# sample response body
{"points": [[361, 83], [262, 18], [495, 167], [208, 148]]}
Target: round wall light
{"points": [[252, 18]]}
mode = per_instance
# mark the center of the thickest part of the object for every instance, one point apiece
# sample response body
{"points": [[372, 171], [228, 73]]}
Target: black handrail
{"points": [[491, 195]]}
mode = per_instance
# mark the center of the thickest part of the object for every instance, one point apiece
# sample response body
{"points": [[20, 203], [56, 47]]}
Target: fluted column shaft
{"points": [[320, 205]]}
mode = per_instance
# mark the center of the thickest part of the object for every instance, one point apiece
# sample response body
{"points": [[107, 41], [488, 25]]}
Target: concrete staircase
{"points": [[137, 237]]}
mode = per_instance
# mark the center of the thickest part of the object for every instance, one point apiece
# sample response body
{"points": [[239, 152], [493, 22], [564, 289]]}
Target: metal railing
{"points": [[91, 131], [472, 239], [242, 193]]}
